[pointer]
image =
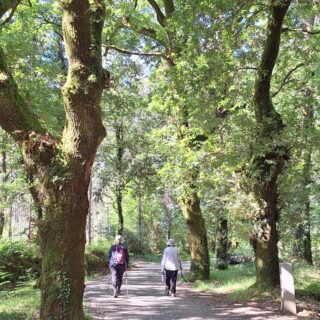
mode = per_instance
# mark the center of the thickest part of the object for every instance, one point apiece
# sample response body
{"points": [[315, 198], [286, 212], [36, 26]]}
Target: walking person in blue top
{"points": [[118, 263], [170, 264]]}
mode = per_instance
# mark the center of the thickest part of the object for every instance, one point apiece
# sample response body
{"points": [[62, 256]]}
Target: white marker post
{"points": [[288, 302]]}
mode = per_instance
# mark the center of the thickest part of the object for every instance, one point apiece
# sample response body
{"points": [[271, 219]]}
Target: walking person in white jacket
{"points": [[170, 264]]}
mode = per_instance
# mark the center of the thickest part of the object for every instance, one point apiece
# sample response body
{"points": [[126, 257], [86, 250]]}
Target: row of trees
{"points": [[210, 109]]}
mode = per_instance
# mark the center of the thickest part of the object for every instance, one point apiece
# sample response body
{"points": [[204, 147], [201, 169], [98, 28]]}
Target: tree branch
{"points": [[137, 53], [262, 98], [160, 16], [286, 78], [148, 32], [169, 7], [15, 116], [311, 32], [6, 6]]}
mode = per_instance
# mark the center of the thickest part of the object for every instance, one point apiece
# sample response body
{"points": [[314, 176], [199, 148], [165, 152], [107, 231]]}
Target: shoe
{"points": [[166, 292], [118, 292], [173, 295], [115, 293]]}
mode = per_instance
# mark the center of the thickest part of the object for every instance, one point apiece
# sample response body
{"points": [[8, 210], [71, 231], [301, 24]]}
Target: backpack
{"points": [[119, 255]]}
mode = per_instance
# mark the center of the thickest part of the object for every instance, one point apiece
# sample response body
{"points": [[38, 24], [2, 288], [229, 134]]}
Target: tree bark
{"points": [[267, 166], [63, 167], [222, 244], [119, 210], [90, 214], [4, 179], [200, 263], [307, 167]]}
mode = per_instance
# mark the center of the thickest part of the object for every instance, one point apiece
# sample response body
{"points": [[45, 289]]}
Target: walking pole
{"points": [[126, 278], [127, 282]]}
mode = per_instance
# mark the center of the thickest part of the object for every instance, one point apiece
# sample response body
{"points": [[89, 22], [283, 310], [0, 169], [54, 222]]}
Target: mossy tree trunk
{"points": [[200, 263], [62, 167], [269, 164]]}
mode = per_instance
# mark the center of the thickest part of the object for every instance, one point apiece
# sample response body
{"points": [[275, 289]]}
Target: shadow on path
{"points": [[146, 301]]}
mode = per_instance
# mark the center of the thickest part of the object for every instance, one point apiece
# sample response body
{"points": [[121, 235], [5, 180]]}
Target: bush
{"points": [[18, 262], [96, 257], [313, 290]]}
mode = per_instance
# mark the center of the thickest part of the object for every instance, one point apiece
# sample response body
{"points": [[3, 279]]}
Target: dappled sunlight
{"points": [[144, 299]]}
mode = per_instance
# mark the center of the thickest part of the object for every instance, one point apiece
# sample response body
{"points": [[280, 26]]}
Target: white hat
{"points": [[170, 242], [118, 238]]}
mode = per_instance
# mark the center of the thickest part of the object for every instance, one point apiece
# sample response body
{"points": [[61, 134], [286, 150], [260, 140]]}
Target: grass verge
{"points": [[22, 303]]}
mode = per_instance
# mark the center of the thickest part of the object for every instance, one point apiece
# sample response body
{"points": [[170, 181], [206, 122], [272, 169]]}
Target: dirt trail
{"points": [[146, 301]]}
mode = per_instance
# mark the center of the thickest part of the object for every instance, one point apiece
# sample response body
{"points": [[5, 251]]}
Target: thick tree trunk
{"points": [[200, 263], [222, 244], [62, 234], [62, 167], [267, 166]]}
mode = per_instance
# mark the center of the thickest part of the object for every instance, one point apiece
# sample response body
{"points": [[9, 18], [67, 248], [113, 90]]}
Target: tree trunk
{"points": [[307, 253], [298, 236], [1, 223], [120, 183], [222, 244], [169, 206], [200, 265], [266, 167], [139, 215], [63, 239], [90, 214], [10, 229], [119, 210], [4, 199], [63, 166]]}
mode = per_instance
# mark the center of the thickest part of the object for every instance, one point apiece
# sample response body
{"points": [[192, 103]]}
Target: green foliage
{"points": [[18, 262], [96, 258]]}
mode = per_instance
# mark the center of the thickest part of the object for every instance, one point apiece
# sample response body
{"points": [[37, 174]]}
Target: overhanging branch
{"points": [[286, 78], [311, 32], [11, 5], [137, 53], [160, 16]]}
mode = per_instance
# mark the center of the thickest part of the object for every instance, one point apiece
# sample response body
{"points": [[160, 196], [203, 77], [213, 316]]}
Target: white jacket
{"points": [[170, 259]]}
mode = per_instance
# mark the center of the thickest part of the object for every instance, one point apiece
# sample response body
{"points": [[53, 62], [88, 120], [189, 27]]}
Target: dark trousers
{"points": [[171, 280], [117, 274]]}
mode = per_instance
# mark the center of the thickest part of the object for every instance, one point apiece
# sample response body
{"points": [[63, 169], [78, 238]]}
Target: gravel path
{"points": [[146, 301]]}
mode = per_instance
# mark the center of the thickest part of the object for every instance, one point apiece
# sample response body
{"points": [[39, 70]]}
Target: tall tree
{"points": [[62, 166], [270, 154]]}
